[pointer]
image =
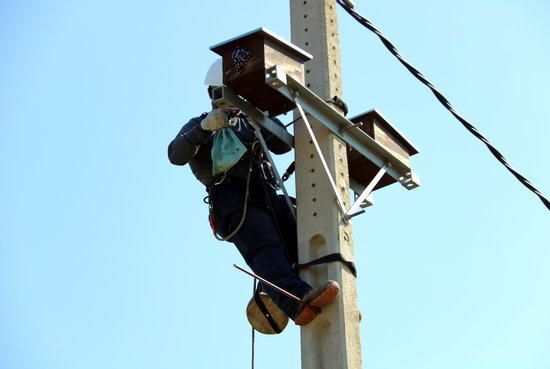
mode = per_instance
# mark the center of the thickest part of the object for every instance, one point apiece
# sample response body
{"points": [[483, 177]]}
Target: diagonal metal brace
{"points": [[366, 192], [323, 161], [358, 189]]}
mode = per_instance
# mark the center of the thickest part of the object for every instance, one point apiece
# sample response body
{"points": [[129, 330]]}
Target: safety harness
{"points": [[260, 161]]}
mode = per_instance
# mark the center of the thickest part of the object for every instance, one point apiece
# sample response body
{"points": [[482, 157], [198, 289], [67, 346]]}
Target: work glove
{"points": [[215, 120]]}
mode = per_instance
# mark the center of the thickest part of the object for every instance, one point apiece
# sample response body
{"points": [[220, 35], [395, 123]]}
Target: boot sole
{"points": [[306, 316], [326, 297], [323, 299]]}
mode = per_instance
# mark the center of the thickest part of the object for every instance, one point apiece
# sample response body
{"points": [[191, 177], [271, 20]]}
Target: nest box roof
{"points": [[375, 115], [265, 34]]}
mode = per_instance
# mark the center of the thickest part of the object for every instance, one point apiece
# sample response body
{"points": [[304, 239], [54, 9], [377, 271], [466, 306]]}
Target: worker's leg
{"points": [[262, 249], [259, 243]]}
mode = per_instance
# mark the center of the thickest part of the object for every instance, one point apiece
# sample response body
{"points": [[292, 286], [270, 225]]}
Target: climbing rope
{"points": [[443, 100]]}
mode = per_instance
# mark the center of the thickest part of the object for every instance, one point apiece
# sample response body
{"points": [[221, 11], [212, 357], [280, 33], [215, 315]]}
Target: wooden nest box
{"points": [[375, 125], [245, 60]]}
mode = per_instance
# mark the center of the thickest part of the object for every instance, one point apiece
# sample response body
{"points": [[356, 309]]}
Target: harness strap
{"points": [[328, 259], [265, 312]]}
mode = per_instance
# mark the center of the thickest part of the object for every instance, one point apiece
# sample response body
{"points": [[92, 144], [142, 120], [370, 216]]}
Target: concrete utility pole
{"points": [[332, 341]]}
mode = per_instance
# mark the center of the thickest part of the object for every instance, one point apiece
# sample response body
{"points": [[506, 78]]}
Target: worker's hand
{"points": [[215, 120]]}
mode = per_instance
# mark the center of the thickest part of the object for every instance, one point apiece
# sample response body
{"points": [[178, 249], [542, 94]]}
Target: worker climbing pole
{"points": [[260, 76], [265, 76]]}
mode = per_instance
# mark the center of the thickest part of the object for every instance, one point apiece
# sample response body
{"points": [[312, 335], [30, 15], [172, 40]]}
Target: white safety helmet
{"points": [[214, 76]]}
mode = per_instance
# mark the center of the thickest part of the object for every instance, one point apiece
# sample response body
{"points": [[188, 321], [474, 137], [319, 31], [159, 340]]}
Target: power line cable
{"points": [[443, 100]]}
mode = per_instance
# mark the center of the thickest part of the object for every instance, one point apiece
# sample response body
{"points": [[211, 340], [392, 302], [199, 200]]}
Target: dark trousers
{"points": [[266, 241]]}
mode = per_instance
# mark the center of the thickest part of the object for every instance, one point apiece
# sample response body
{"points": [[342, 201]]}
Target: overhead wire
{"points": [[443, 100]]}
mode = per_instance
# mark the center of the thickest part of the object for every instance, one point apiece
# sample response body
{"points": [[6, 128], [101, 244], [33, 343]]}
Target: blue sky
{"points": [[106, 257]]}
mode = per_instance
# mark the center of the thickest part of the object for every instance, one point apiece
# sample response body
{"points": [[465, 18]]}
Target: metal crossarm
{"points": [[296, 92]]}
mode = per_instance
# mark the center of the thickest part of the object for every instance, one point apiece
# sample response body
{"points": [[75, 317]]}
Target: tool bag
{"points": [[227, 150]]}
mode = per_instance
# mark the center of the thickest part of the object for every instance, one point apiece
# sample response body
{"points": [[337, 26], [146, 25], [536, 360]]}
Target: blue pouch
{"points": [[227, 150]]}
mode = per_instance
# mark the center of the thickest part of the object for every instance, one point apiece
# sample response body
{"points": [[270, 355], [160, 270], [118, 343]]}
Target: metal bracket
{"points": [[359, 201], [322, 112]]}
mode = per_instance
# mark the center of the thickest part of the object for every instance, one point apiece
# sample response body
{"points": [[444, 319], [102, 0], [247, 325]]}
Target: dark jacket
{"points": [[193, 145]]}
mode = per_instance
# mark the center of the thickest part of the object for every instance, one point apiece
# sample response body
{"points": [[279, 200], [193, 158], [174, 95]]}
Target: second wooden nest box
{"points": [[382, 131], [245, 60]]}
